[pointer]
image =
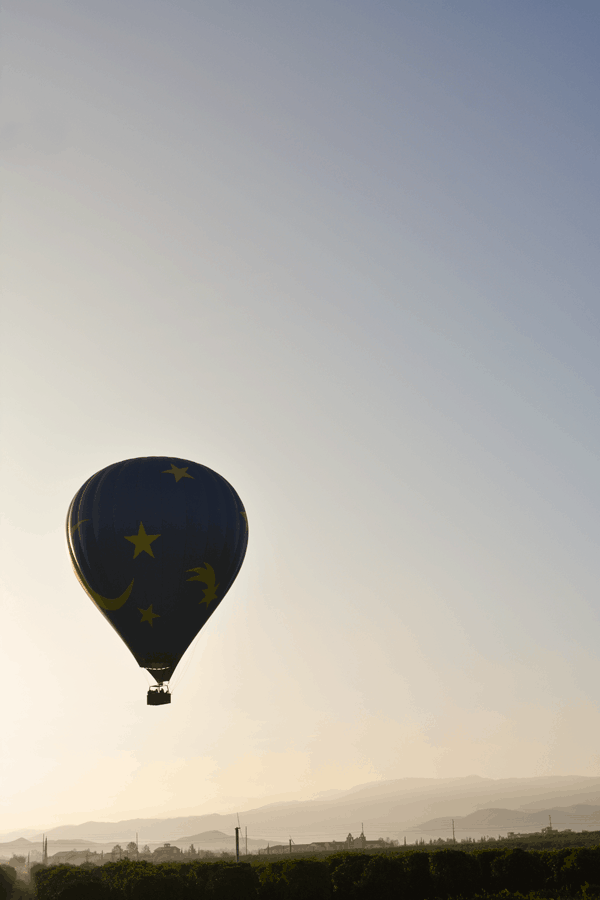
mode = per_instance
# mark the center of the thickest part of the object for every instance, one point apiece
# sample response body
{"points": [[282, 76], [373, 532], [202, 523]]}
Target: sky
{"points": [[345, 254]]}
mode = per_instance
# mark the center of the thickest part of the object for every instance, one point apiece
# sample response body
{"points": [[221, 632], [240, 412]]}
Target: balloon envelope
{"points": [[157, 542]]}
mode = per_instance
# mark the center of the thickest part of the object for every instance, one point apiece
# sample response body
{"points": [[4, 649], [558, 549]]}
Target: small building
{"points": [[351, 843], [167, 851]]}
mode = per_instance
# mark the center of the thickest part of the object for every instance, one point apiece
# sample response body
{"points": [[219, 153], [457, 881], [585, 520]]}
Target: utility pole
{"points": [[237, 839]]}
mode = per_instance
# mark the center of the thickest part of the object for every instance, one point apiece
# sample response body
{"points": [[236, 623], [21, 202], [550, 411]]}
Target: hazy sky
{"points": [[346, 254]]}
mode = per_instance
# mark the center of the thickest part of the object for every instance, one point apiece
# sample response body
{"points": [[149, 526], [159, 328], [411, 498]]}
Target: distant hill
{"points": [[491, 821], [208, 837], [21, 833], [391, 808], [216, 840], [19, 842]]}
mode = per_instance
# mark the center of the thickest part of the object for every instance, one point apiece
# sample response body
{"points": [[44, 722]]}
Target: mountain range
{"points": [[411, 807]]}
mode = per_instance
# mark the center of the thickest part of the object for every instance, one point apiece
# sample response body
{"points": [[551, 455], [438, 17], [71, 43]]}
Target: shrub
{"points": [[347, 870], [581, 866], [85, 889], [483, 874], [230, 880], [295, 879], [8, 877], [418, 876], [453, 873], [50, 881], [120, 876], [384, 878], [518, 870], [155, 886]]}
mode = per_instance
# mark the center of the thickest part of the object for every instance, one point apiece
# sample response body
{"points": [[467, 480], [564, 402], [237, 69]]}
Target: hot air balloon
{"points": [[156, 543]]}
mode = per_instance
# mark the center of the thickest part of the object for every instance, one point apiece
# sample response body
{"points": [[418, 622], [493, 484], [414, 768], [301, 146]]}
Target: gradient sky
{"points": [[346, 254]]}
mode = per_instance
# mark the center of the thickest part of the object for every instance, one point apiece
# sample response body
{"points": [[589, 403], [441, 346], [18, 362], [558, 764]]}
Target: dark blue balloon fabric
{"points": [[157, 542]]}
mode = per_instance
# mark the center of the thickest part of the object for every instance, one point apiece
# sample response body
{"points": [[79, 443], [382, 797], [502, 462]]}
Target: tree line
{"points": [[442, 874]]}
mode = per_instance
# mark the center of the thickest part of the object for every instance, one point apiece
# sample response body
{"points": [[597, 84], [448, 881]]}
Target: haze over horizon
{"points": [[345, 254], [402, 808]]}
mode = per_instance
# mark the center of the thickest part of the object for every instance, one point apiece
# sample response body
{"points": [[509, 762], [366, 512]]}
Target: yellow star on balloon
{"points": [[142, 541], [148, 615], [178, 473]]}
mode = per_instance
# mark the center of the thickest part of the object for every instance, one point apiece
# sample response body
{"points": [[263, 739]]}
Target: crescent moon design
{"points": [[108, 603], [206, 575], [75, 527]]}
